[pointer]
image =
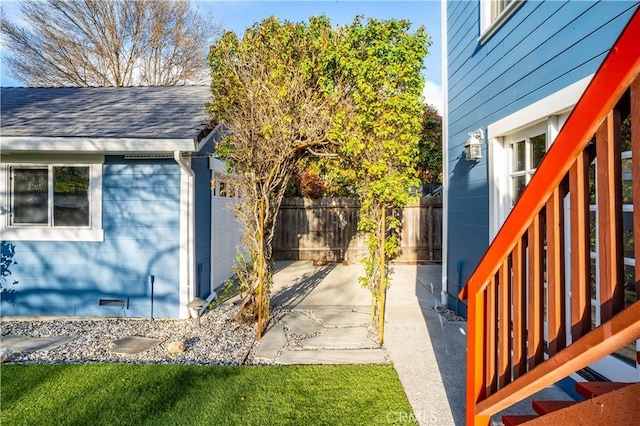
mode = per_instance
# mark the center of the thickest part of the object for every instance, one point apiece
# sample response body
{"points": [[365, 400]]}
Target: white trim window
{"points": [[526, 152], [52, 202], [493, 13], [53, 196]]}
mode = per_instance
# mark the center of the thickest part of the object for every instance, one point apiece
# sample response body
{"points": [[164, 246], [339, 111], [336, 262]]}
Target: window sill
{"points": [[486, 33], [50, 234]]}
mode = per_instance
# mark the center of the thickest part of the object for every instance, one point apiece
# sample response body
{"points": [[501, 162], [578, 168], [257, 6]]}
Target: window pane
{"points": [[497, 6], [592, 230], [70, 196], [594, 279], [518, 156], [592, 182], [627, 186], [627, 234], [538, 148], [30, 196], [519, 182]]}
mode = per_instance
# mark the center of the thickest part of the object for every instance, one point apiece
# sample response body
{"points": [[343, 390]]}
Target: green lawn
{"points": [[119, 394]]}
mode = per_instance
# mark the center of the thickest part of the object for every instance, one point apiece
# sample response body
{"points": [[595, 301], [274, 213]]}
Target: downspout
{"points": [[190, 255], [444, 294]]}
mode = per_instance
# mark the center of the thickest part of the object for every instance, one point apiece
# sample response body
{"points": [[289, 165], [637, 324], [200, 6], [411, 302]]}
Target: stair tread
{"points": [[544, 407], [514, 420], [591, 389]]}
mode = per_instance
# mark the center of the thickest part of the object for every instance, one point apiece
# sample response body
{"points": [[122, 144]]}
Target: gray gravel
{"points": [[448, 314], [218, 341]]}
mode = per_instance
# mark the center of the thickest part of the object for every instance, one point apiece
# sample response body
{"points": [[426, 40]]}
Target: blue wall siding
{"points": [[544, 47], [202, 225], [141, 207]]}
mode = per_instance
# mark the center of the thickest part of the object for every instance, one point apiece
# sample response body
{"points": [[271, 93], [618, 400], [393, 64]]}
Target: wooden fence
{"points": [[327, 230]]}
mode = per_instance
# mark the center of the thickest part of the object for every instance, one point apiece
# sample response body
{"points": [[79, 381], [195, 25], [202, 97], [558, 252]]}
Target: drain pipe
{"points": [[190, 214], [152, 280]]}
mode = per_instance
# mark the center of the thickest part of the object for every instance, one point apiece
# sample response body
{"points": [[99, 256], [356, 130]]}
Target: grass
{"points": [[123, 394]]}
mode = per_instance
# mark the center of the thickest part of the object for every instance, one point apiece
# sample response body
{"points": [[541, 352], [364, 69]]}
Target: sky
{"points": [[238, 15]]}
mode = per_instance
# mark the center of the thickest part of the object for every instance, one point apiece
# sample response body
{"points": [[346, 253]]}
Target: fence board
{"points": [[327, 230]]}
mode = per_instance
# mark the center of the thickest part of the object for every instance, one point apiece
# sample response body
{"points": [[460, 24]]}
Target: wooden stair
{"points": [[524, 334], [606, 403]]}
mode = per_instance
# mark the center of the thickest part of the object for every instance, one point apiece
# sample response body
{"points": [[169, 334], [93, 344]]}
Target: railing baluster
{"points": [[535, 345], [635, 161], [504, 326], [519, 310], [476, 378], [580, 261], [490, 338], [609, 200], [555, 273]]}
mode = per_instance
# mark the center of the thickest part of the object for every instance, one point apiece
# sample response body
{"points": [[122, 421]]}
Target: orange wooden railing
{"points": [[507, 305]]}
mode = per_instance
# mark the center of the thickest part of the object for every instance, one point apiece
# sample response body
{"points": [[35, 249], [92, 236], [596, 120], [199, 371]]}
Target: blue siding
{"points": [[141, 207], [202, 207], [543, 47]]}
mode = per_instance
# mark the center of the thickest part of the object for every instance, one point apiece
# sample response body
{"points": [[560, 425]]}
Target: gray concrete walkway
{"points": [[427, 351], [324, 318]]}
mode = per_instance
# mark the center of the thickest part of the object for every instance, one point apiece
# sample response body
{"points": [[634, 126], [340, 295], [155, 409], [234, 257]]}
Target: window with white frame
{"points": [[52, 202], [50, 196], [493, 13], [526, 150]]}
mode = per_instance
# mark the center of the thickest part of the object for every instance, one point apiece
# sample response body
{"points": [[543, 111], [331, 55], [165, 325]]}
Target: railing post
{"points": [[557, 337], [476, 357], [580, 267], [535, 305], [504, 326], [609, 217], [519, 311]]}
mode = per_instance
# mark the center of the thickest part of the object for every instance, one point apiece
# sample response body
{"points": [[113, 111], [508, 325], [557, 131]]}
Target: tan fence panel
{"points": [[327, 230]]}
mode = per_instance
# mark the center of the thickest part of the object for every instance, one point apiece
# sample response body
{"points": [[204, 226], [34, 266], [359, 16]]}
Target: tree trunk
{"points": [[261, 262], [382, 293]]}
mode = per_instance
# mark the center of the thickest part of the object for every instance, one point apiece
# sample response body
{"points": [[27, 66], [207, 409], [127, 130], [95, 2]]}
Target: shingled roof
{"points": [[166, 112]]}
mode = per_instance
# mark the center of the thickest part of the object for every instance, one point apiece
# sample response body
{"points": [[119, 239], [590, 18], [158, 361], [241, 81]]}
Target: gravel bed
{"points": [[218, 341], [448, 313]]}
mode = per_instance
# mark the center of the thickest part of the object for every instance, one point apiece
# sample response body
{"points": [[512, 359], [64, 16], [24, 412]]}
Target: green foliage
{"points": [[274, 90], [379, 131], [121, 394], [317, 177], [290, 91], [430, 148]]}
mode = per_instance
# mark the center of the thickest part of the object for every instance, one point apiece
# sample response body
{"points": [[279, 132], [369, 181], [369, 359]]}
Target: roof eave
{"points": [[96, 145]]}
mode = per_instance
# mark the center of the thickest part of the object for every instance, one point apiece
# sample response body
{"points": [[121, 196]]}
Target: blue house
{"points": [[106, 202], [514, 72]]}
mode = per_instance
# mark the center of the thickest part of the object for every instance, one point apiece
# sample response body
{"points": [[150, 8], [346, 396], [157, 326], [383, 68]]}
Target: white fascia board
{"points": [[217, 165], [101, 145], [209, 137], [559, 102]]}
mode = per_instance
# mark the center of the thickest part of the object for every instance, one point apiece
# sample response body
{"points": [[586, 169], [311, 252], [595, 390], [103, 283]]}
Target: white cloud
{"points": [[432, 94]]}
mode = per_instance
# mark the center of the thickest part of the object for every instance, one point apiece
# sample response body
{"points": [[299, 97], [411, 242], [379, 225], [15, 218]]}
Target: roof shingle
{"points": [[162, 112]]}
